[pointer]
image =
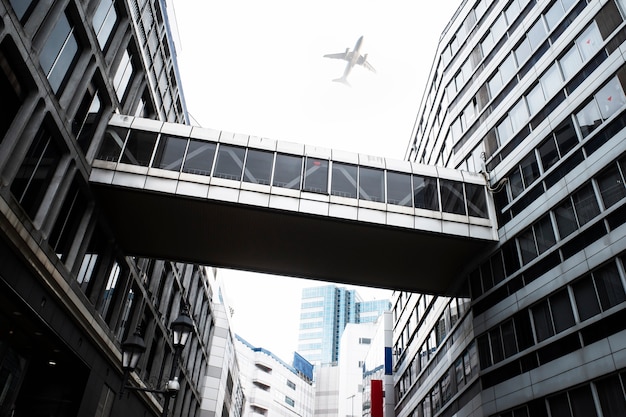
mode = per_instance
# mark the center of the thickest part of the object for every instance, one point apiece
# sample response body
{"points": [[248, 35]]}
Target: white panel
{"points": [[224, 194], [121, 120], [401, 220], [397, 165], [192, 189], [290, 147], [254, 198], [284, 203], [454, 228], [102, 176], [258, 142], [203, 179], [373, 216], [98, 163], [431, 225], [375, 205], [344, 201], [260, 188], [344, 156], [233, 138], [204, 133], [427, 170], [161, 184], [163, 173], [129, 180], [223, 182], [317, 152], [313, 207], [134, 169], [315, 196], [343, 212], [147, 124], [176, 129], [482, 232], [371, 161]]}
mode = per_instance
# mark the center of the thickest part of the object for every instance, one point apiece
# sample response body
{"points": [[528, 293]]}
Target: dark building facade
{"points": [[531, 93], [68, 295]]}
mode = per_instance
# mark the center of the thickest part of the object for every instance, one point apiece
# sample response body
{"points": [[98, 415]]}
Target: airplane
{"points": [[353, 57]]}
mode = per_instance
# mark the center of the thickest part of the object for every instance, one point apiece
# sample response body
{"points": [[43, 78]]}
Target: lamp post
{"points": [[133, 347]]}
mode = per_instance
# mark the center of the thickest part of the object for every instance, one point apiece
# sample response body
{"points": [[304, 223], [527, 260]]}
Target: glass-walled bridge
{"points": [[199, 195]]}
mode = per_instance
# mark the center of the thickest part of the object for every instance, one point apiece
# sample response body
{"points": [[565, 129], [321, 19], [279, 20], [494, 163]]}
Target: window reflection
{"points": [[452, 200], [344, 180], [425, 193], [316, 175], [229, 162], [200, 157], [371, 184], [288, 171], [258, 167], [399, 189], [139, 147], [170, 153]]}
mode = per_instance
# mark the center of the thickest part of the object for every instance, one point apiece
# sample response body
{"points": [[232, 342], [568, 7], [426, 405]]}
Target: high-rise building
{"points": [[531, 94], [324, 313], [68, 295]]}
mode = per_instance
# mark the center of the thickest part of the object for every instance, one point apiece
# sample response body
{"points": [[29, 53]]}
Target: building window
{"points": [[36, 172], [59, 53], [67, 224], [23, 8], [258, 167], [287, 171], [229, 162], [290, 401], [103, 21], [12, 89], [123, 75], [344, 180], [87, 117], [291, 385], [598, 291], [552, 315], [316, 175]]}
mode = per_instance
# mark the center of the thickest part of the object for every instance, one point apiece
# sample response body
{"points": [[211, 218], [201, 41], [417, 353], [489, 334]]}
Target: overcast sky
{"points": [[257, 67]]}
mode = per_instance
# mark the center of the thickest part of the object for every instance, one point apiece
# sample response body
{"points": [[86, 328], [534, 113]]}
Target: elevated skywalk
{"points": [[244, 202]]}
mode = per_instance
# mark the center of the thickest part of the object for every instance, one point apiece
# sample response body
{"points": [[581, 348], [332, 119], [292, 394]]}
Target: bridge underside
{"points": [[164, 226]]}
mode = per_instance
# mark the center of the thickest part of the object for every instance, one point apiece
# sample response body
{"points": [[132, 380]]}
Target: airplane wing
{"points": [[363, 61], [341, 55]]}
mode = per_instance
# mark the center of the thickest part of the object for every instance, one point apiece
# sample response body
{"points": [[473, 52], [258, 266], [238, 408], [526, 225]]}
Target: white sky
{"points": [[257, 67]]}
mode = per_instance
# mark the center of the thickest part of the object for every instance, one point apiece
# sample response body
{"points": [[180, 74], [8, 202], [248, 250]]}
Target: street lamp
{"points": [[134, 346]]}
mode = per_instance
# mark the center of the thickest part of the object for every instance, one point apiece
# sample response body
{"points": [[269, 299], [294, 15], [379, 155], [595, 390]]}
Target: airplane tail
{"points": [[343, 80]]}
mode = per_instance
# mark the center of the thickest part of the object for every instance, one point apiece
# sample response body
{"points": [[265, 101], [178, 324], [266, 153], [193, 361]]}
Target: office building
{"points": [[531, 94], [69, 296], [324, 313], [271, 386]]}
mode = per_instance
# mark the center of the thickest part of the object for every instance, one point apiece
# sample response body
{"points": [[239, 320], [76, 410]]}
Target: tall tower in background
{"points": [[324, 313], [532, 94]]}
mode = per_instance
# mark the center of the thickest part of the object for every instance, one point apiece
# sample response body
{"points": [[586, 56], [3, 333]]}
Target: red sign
{"points": [[377, 398]]}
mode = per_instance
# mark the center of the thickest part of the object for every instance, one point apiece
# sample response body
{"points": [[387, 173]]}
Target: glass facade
{"points": [[324, 313]]}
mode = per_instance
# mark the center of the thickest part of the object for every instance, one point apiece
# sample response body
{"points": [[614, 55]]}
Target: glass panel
{"points": [[559, 406], [497, 351], [452, 199], [551, 81], [609, 286], [288, 171], [139, 148], [523, 51], [527, 246], [585, 204], [589, 41], [542, 320], [54, 44], [535, 99], [170, 153], [258, 167], [611, 186], [582, 402], [508, 338], [561, 311], [529, 169], [425, 193], [505, 130], [112, 144], [586, 300], [399, 189], [554, 14], [566, 137], [536, 34], [344, 180], [548, 153], [515, 183], [571, 62], [518, 115], [544, 234], [371, 184], [476, 200], [316, 175], [63, 63], [199, 159], [611, 396], [610, 98], [229, 162], [565, 219]]}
